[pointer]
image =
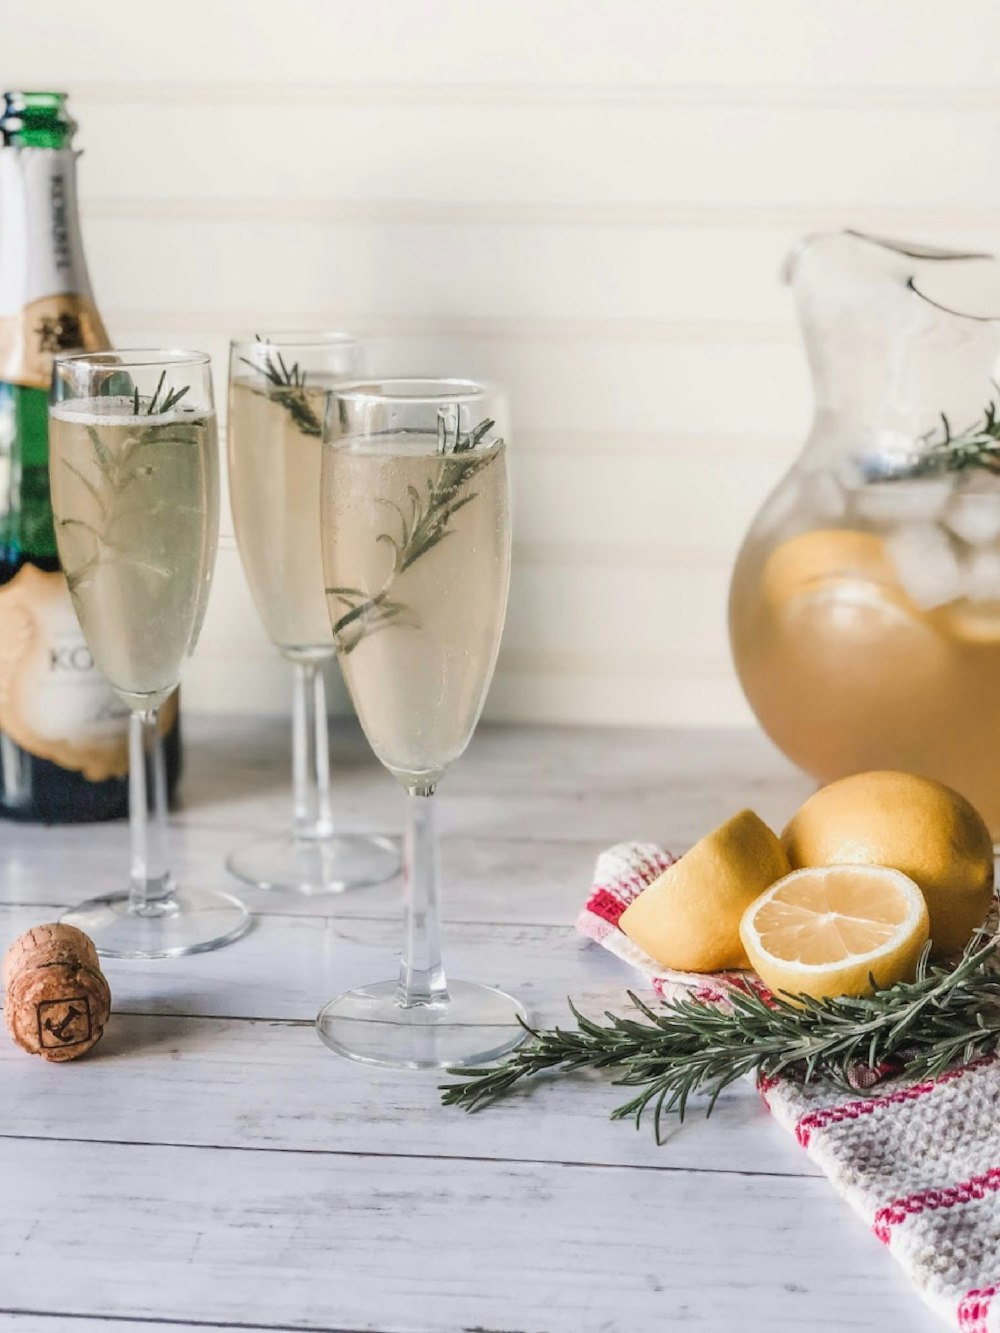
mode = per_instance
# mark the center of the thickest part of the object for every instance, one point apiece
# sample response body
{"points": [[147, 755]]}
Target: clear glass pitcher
{"points": [[865, 603]]}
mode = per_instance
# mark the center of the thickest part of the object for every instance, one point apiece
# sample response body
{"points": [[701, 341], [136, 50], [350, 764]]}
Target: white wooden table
{"points": [[212, 1166]]}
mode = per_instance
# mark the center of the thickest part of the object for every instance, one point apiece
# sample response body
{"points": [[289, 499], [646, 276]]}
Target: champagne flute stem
{"points": [[151, 878], [421, 974], [310, 753]]}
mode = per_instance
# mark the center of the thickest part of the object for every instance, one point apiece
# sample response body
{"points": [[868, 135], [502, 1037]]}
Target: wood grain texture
{"points": [[60, 1323], [216, 1167], [338, 1243], [271, 1086]]}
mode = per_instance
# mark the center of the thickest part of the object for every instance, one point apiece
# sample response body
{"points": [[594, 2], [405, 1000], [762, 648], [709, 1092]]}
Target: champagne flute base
{"points": [[316, 865], [474, 1025], [185, 921]]}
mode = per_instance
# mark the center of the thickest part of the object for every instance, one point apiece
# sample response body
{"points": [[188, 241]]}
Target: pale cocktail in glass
{"points": [[416, 553], [134, 476], [278, 387]]}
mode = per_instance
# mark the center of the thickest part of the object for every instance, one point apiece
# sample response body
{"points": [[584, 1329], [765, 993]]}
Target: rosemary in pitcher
{"points": [[686, 1046], [946, 450], [421, 528]]}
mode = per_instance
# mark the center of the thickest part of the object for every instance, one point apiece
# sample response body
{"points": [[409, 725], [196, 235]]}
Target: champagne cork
{"points": [[56, 999]]}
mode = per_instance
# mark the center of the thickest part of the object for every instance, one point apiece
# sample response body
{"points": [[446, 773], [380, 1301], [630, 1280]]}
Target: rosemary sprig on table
{"points": [[288, 387], [685, 1046], [420, 530]]}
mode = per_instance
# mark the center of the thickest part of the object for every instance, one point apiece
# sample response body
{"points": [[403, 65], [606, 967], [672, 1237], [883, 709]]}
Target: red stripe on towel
{"points": [[833, 1115], [974, 1308], [951, 1196]]}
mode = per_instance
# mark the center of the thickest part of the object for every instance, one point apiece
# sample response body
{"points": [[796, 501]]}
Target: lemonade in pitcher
{"points": [[865, 602]]}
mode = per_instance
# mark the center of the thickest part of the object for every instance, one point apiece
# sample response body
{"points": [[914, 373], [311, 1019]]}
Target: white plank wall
{"points": [[588, 202]]}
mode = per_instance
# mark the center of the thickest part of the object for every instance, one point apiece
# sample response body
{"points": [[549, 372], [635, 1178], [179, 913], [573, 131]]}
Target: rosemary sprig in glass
{"points": [[170, 399], [423, 527], [119, 470], [686, 1046], [287, 387]]}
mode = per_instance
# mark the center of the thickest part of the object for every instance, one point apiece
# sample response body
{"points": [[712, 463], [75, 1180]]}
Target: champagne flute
{"points": [[134, 474], [416, 554], [277, 395]]}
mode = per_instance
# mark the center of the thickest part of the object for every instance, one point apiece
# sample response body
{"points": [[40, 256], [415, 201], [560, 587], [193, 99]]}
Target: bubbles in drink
{"points": [[274, 470], [417, 561], [116, 409], [135, 499]]}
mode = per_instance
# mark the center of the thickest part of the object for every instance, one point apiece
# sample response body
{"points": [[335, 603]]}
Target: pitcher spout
{"points": [[897, 334]]}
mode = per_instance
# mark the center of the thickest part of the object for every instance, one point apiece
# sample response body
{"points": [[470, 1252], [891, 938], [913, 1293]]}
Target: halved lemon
{"points": [[689, 918], [829, 930]]}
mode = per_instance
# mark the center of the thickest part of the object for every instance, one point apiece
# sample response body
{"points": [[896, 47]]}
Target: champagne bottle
{"points": [[63, 731]]}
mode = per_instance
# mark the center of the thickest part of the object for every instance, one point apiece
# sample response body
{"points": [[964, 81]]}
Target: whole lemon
{"points": [[911, 824], [689, 918]]}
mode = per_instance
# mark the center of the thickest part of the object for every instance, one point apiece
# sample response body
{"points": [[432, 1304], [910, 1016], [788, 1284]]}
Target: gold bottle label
{"points": [[53, 701], [30, 338], [45, 301]]}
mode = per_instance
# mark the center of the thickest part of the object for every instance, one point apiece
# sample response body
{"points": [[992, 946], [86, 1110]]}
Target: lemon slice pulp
{"points": [[829, 930]]}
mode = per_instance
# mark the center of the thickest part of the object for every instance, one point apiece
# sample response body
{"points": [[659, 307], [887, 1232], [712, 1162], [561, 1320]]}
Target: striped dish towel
{"points": [[919, 1161]]}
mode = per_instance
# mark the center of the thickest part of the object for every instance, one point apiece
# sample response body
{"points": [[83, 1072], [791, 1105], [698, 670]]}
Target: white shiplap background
{"points": [[586, 200]]}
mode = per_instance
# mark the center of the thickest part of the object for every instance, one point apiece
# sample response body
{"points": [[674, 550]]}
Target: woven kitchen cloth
{"points": [[920, 1162]]}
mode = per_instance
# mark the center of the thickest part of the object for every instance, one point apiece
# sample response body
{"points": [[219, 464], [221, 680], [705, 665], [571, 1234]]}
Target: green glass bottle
{"points": [[63, 731]]}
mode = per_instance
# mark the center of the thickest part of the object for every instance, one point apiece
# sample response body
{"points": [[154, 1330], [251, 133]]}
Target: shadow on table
{"points": [[132, 1034]]}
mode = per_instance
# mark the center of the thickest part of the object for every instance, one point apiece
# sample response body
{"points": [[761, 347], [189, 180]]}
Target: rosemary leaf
{"points": [[102, 454], [173, 398], [943, 451], [151, 409], [685, 1046], [288, 388], [117, 471], [87, 485], [420, 531]]}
